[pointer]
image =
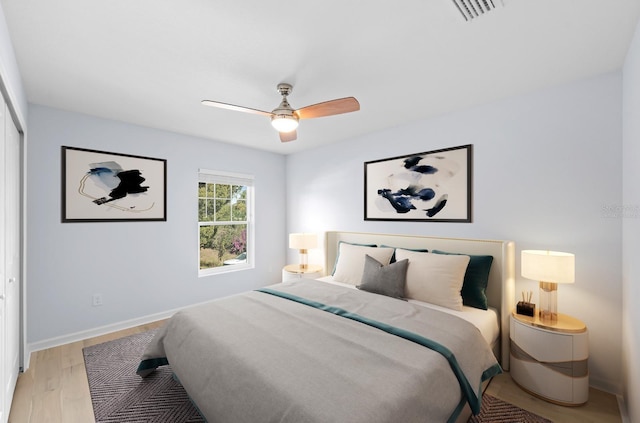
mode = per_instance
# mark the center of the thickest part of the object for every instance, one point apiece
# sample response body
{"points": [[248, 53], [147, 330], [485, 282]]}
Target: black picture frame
{"points": [[433, 186], [101, 186]]}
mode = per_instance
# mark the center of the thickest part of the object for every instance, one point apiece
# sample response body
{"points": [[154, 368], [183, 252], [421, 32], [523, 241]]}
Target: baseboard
{"points": [[622, 406], [605, 386], [91, 333], [101, 330]]}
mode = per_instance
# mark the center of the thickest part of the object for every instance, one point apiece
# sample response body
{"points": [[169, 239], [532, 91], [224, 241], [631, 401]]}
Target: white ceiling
{"points": [[150, 62]]}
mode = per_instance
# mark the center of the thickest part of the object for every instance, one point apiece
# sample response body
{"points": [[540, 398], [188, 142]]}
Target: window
{"points": [[225, 221]]}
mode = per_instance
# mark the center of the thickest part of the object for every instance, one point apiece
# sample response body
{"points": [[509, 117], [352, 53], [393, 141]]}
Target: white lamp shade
{"points": [[284, 123], [303, 241], [548, 266]]}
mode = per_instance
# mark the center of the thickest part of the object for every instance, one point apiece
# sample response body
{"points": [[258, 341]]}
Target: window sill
{"points": [[224, 269]]}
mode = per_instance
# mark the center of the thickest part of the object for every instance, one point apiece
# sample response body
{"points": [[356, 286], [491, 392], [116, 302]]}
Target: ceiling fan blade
{"points": [[234, 107], [329, 108], [288, 136]]}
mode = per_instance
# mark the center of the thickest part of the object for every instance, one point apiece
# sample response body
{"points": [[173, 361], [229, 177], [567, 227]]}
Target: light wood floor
{"points": [[55, 390], [601, 407]]}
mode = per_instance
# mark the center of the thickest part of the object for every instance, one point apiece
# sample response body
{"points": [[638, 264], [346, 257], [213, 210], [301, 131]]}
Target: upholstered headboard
{"points": [[501, 287]]}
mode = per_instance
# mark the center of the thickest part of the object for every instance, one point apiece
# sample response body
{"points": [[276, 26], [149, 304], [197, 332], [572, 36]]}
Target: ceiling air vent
{"points": [[472, 9]]}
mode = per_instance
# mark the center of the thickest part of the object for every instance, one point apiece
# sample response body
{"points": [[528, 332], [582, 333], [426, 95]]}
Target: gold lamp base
{"points": [[548, 308], [303, 258]]}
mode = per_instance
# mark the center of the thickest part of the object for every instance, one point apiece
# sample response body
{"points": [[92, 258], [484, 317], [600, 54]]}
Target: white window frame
{"points": [[221, 177]]}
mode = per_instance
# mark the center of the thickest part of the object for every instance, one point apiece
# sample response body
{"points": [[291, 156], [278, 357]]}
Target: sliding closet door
{"points": [[13, 224], [10, 259], [4, 411]]}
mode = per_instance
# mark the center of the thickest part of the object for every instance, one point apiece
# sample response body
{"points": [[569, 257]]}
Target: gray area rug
{"points": [[120, 396], [497, 411]]}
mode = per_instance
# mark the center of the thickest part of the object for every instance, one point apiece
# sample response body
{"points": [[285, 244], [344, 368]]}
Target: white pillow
{"points": [[434, 278], [350, 265]]}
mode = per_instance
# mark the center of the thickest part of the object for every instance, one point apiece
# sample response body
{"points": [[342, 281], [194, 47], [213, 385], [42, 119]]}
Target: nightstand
{"points": [[294, 271], [549, 360]]}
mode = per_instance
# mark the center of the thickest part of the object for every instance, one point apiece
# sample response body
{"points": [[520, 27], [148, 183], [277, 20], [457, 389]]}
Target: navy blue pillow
{"points": [[476, 278]]}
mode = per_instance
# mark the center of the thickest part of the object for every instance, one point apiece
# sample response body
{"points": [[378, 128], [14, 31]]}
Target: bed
{"points": [[326, 351]]}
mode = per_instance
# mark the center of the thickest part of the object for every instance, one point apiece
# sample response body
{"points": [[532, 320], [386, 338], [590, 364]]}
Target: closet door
{"points": [[12, 260], [13, 224], [4, 411]]}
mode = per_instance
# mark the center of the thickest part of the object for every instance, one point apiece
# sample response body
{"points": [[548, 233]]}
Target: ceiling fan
{"points": [[284, 118]]}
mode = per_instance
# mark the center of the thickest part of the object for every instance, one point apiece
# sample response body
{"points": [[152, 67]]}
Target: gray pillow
{"points": [[385, 280]]}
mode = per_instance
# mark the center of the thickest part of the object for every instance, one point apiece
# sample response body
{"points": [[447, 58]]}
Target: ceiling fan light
{"points": [[284, 123]]}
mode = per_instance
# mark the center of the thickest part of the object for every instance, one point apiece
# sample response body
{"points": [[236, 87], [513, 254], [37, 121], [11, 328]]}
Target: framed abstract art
{"points": [[98, 186], [434, 186]]}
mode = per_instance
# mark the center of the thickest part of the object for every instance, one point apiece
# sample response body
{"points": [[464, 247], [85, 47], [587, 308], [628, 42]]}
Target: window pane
{"points": [[223, 210], [202, 189], [211, 192], [223, 191], [240, 210], [208, 210], [239, 192], [222, 245], [202, 210]]}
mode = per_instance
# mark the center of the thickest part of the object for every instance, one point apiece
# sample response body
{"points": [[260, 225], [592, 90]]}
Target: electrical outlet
{"points": [[96, 300]]}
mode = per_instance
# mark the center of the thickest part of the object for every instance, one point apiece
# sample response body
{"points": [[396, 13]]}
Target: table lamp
{"points": [[550, 268], [303, 242]]}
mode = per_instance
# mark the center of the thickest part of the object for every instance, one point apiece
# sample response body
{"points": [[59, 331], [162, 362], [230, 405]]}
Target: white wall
{"points": [[545, 166], [140, 268], [10, 76], [631, 229]]}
